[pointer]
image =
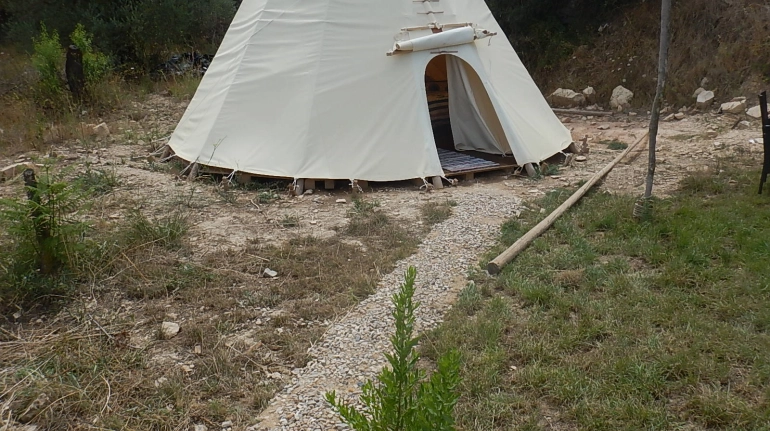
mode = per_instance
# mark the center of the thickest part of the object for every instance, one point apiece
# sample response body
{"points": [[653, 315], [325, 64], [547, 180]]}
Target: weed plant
{"points": [[402, 398]]}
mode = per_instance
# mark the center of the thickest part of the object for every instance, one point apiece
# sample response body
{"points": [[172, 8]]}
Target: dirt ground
{"points": [[698, 141], [230, 220]]}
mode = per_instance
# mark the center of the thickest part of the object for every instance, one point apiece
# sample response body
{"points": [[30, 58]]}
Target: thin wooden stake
{"points": [[497, 264]]}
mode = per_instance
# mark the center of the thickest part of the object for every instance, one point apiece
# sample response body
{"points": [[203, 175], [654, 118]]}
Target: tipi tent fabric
{"points": [[307, 89]]}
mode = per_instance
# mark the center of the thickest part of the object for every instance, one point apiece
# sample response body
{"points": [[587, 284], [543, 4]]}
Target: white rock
{"points": [[200, 427], [169, 330], [705, 100], [227, 424], [718, 145], [590, 94], [670, 117], [679, 116], [581, 158], [736, 107], [565, 98], [102, 130], [698, 91], [341, 201], [754, 112], [269, 273], [744, 125], [308, 192], [621, 98]]}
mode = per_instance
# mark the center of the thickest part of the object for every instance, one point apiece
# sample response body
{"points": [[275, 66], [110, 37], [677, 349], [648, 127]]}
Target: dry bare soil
{"points": [[99, 360]]}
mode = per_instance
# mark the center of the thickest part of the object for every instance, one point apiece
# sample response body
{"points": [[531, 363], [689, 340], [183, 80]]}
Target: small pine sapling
{"points": [[401, 399]]}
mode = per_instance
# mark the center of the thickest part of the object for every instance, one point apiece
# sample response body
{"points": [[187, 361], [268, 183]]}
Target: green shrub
{"points": [[402, 399], [95, 64], [48, 61]]}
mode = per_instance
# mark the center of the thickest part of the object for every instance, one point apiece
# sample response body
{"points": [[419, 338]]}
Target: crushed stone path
{"points": [[352, 350]]}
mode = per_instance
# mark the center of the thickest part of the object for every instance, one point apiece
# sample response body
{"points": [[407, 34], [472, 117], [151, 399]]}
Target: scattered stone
{"points": [[102, 130], [621, 98], [735, 107], [269, 273], [670, 117], [704, 82], [604, 127], [679, 115], [200, 427], [565, 98], [187, 368], [197, 349], [744, 125], [581, 158], [739, 99], [341, 201], [698, 92], [169, 330], [754, 112], [590, 95], [227, 424], [718, 145], [308, 192], [705, 100]]}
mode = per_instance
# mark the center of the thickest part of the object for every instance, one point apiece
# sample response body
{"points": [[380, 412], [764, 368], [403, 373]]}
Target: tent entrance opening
{"points": [[468, 134]]}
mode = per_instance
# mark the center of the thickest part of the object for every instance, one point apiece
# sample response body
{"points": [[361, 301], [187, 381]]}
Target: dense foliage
{"points": [[543, 32], [143, 31]]}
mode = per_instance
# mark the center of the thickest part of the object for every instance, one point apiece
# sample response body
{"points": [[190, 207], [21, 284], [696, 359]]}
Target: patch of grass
{"points": [[434, 212], [615, 144], [183, 87], [608, 323], [166, 231], [289, 221], [98, 181]]}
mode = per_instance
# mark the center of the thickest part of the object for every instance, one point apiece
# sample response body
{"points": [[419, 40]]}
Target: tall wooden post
{"points": [[74, 70], [665, 38]]}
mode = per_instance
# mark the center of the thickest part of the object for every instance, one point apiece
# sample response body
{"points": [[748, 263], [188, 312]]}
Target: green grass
{"points": [[433, 212], [606, 323], [615, 144]]}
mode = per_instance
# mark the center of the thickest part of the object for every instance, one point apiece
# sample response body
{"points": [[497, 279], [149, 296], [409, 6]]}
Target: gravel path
{"points": [[352, 349]]}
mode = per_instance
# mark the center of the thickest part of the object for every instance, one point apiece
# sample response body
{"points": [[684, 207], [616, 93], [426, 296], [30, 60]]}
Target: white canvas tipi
{"points": [[336, 89]]}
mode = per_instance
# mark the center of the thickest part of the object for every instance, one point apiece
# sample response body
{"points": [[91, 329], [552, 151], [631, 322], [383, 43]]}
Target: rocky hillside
{"points": [[720, 45]]}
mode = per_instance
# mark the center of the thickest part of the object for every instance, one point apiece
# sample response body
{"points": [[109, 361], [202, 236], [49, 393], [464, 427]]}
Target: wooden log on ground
{"points": [[582, 112], [76, 79], [497, 264]]}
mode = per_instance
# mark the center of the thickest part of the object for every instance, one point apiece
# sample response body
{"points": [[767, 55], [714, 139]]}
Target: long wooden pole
{"points": [[665, 39], [497, 264]]}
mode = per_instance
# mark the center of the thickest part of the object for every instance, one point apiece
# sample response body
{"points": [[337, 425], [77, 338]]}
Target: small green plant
{"points": [[267, 196], [98, 181], [615, 144], [402, 399], [47, 59], [362, 206], [44, 231], [289, 221]]}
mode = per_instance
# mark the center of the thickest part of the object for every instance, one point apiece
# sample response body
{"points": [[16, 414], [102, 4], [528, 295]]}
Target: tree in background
{"points": [[139, 32]]}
